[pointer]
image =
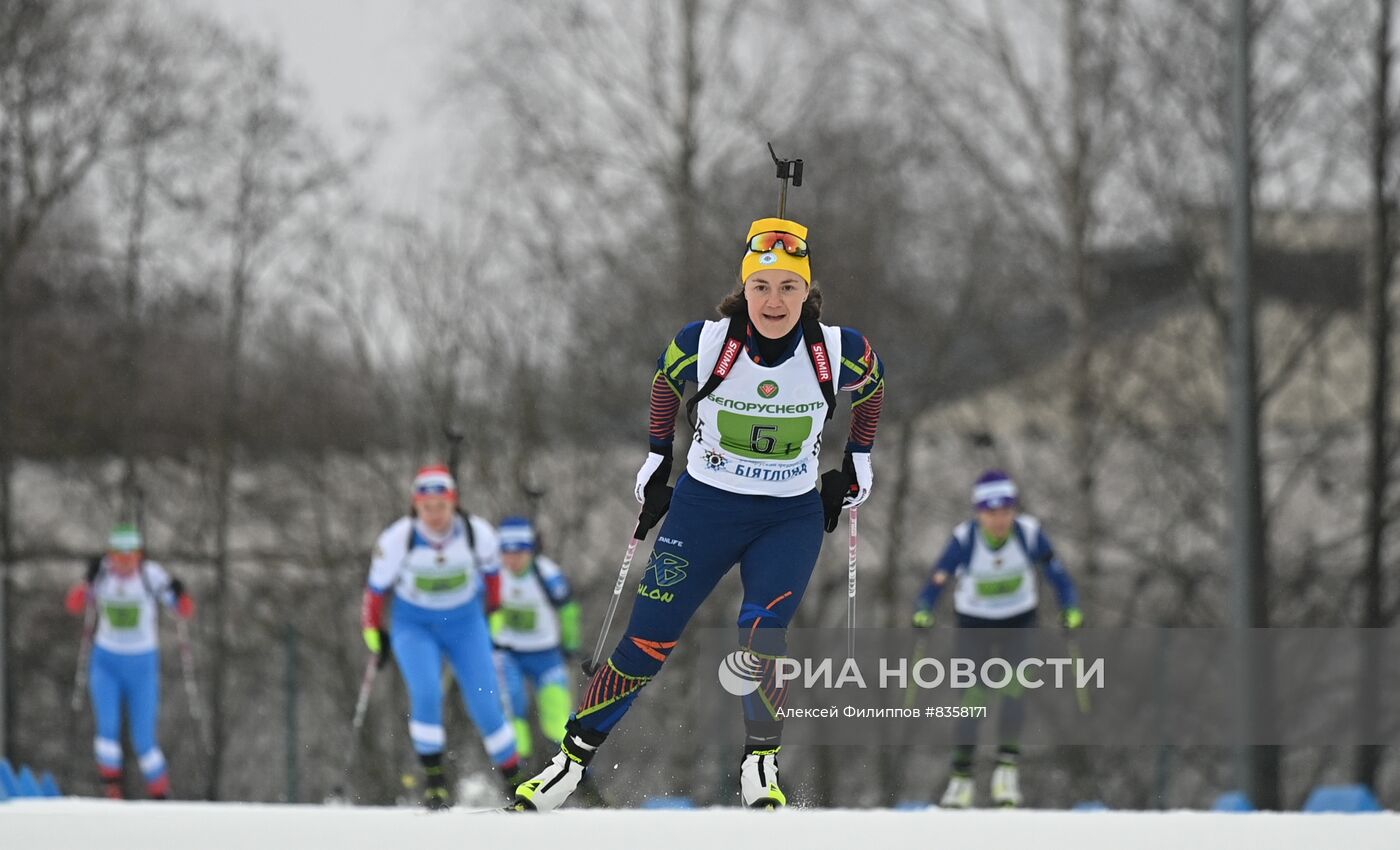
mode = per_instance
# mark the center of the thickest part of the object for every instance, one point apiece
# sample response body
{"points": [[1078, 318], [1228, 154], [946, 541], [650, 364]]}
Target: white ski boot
{"points": [[550, 787], [959, 793], [758, 780], [1006, 786]]}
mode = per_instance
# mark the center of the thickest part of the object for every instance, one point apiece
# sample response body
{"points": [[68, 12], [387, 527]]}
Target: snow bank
{"points": [[74, 824]]}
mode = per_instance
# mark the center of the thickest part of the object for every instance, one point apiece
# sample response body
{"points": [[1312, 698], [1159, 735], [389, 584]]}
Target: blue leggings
{"points": [[132, 681], [420, 638], [541, 669], [775, 541], [546, 672]]}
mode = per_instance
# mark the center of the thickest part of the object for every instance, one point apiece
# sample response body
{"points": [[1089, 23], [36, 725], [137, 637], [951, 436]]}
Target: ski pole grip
{"points": [[851, 558], [658, 502], [626, 563]]}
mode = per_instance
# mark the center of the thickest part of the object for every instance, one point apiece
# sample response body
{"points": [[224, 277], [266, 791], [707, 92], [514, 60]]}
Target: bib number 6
{"points": [[761, 439]]}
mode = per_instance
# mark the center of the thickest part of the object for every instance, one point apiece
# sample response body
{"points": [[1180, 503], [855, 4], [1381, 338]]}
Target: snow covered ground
{"points": [[86, 824]]}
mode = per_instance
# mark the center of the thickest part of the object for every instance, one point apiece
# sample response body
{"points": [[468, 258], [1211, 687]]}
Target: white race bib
{"points": [[759, 432]]}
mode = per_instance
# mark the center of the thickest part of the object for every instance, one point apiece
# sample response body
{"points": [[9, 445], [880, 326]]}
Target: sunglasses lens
{"points": [[764, 242]]}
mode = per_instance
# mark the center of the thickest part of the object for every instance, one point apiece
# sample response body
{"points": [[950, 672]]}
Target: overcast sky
{"points": [[365, 60]]}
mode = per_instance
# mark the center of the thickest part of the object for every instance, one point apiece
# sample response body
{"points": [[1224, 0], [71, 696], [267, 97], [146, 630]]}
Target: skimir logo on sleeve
{"points": [[739, 672]]}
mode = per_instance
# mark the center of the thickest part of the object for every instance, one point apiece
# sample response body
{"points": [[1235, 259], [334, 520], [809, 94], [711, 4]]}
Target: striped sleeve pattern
{"points": [[674, 367], [865, 420], [862, 375], [665, 402]]}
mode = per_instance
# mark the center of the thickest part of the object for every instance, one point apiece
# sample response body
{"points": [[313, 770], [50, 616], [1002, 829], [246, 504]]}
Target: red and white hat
{"points": [[435, 480]]}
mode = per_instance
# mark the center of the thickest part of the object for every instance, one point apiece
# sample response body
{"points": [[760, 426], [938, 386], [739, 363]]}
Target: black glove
{"points": [[177, 588], [94, 565], [656, 499], [837, 484]]}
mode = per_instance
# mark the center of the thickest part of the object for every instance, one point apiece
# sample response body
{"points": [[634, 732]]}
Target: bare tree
{"points": [[59, 89], [155, 112], [1379, 450], [279, 169], [1047, 152], [617, 139]]}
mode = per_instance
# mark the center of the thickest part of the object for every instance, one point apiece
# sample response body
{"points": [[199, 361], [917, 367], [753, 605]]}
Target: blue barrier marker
{"points": [[668, 803], [1342, 798], [8, 781], [28, 785], [1233, 801]]}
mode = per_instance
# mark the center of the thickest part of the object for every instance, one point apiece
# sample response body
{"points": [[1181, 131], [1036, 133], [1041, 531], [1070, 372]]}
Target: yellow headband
{"points": [[755, 262]]}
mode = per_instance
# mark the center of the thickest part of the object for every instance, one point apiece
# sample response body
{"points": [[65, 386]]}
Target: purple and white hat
{"points": [[994, 489]]}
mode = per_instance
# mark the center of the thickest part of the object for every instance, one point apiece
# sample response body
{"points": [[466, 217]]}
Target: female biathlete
{"points": [[534, 631], [123, 592], [993, 560], [749, 494], [444, 569]]}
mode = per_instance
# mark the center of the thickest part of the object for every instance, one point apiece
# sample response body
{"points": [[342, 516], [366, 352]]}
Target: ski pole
{"points": [[590, 666], [80, 676], [358, 722], [918, 654], [655, 503], [851, 590], [182, 635], [1080, 694]]}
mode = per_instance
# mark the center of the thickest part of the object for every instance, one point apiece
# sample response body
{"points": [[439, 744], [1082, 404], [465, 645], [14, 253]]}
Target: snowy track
{"points": [[73, 824]]}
